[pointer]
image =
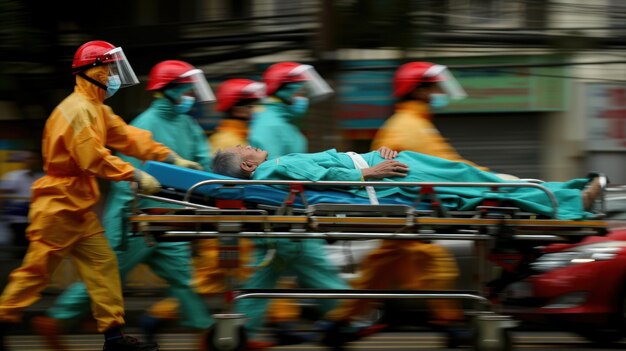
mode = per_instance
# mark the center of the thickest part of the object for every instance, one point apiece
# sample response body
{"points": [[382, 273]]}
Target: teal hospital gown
{"points": [[335, 166]]}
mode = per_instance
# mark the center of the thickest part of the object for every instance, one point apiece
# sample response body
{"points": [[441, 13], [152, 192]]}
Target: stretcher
{"points": [[214, 206]]}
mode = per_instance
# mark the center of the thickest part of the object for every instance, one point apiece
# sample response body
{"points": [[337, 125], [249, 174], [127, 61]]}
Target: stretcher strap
{"points": [[360, 163]]}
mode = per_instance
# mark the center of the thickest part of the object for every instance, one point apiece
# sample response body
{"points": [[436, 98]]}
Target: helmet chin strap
{"points": [[92, 81], [167, 96]]}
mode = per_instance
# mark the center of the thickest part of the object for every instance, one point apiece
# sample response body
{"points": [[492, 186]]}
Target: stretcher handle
{"points": [[175, 202], [492, 185], [192, 235], [483, 302]]}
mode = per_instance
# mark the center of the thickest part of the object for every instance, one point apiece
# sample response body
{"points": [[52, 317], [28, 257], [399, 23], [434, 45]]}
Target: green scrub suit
{"points": [[335, 166], [272, 130], [170, 261]]}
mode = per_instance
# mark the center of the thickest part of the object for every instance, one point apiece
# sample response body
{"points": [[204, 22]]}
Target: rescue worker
{"points": [[176, 85], [63, 223], [420, 87], [236, 99], [289, 87]]}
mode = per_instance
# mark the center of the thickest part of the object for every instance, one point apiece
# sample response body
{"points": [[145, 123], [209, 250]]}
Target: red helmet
{"points": [[166, 72], [410, 75], [91, 54], [232, 91], [280, 73]]}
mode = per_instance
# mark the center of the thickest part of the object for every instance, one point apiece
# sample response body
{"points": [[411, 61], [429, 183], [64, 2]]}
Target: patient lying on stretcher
{"points": [[575, 197]]}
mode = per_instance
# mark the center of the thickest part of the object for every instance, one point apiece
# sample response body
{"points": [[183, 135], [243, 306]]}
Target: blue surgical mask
{"points": [[113, 85], [438, 101], [287, 91], [185, 104], [299, 106]]}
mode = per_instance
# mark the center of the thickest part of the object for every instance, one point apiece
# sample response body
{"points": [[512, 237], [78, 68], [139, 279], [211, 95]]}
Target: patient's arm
{"points": [[386, 169]]}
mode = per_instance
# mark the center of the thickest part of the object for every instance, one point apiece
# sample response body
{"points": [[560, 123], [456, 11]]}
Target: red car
{"points": [[576, 287]]}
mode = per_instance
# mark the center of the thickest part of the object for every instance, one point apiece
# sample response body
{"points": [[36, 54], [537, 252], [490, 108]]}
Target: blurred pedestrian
{"points": [[62, 220], [176, 85], [15, 186]]}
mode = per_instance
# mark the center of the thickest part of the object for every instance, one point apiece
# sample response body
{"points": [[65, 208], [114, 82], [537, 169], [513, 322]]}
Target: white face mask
{"points": [[113, 85]]}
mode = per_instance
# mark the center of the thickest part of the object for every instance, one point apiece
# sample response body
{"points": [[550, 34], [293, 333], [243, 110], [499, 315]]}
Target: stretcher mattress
{"points": [[182, 179]]}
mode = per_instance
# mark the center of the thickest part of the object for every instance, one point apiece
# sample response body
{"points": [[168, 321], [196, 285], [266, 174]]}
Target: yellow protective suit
{"points": [[411, 129], [75, 141], [409, 264], [208, 276]]}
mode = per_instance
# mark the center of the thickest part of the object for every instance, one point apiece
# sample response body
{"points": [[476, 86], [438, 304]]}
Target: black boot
{"points": [[128, 343], [150, 326], [286, 334], [4, 328]]}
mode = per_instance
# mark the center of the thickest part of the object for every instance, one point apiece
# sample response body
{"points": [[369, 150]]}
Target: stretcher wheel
{"points": [[234, 340], [495, 340]]}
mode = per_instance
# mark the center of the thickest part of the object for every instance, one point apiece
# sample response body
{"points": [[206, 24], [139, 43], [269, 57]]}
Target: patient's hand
{"points": [[386, 169], [387, 153]]}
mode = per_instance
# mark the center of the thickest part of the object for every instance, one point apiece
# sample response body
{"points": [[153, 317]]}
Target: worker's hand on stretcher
{"points": [[387, 153], [386, 169], [148, 185], [181, 162]]}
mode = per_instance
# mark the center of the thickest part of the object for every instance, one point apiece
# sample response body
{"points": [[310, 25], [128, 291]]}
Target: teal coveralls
{"points": [[272, 130], [170, 261]]}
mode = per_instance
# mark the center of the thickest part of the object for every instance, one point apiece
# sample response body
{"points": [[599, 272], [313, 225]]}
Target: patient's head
{"points": [[239, 161]]}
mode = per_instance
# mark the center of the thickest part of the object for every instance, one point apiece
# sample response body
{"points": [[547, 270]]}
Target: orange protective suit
{"points": [[411, 128], [411, 265], [209, 278], [63, 222]]}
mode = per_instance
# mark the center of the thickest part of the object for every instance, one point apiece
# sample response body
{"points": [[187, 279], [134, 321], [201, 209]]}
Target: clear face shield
{"points": [[446, 82], [201, 87], [119, 66], [315, 86]]}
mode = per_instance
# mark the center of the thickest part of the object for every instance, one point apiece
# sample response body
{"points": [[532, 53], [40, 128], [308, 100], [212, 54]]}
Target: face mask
{"points": [[185, 105], [299, 106], [113, 85], [287, 91], [438, 101]]}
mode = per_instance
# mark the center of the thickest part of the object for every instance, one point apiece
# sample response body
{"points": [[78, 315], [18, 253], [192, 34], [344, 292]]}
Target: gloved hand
{"points": [[148, 185], [179, 161]]}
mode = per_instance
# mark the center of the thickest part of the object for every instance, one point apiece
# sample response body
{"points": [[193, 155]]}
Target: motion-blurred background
{"points": [[546, 78]]}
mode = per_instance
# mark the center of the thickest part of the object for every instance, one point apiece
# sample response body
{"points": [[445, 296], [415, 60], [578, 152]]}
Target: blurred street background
{"points": [[546, 81]]}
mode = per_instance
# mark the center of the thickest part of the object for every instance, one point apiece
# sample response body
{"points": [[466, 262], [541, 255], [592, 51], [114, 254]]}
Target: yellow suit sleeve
{"points": [[88, 150], [133, 141]]}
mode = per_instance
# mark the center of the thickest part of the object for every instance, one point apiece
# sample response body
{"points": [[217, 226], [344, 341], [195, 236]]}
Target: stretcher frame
{"points": [[401, 222]]}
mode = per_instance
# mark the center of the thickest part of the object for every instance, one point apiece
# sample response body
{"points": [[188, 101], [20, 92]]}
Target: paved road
{"points": [[524, 341]]}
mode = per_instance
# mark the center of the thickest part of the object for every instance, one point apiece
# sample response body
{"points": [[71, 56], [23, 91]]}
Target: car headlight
{"points": [[602, 251]]}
